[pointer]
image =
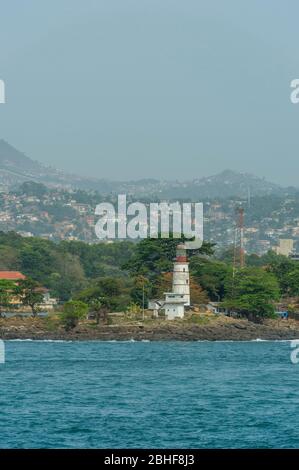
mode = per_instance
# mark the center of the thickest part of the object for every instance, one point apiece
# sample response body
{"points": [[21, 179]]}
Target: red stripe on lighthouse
{"points": [[181, 259]]}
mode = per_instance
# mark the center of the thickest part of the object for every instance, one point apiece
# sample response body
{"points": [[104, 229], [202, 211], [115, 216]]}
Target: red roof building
{"points": [[12, 275]]}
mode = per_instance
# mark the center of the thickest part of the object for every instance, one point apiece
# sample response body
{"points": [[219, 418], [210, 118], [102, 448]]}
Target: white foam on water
{"points": [[39, 340], [257, 340]]}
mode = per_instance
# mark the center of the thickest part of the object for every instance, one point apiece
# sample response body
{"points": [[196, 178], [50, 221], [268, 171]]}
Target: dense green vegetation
{"points": [[253, 292], [66, 267], [115, 276], [7, 289]]}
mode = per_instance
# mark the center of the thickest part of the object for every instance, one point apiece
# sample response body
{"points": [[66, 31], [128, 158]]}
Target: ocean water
{"points": [[149, 394]]}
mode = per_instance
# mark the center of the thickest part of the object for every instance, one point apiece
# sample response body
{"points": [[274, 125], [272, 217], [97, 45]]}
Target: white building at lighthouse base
{"points": [[174, 305]]}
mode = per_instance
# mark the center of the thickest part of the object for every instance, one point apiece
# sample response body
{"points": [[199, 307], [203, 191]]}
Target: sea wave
{"points": [[38, 340], [257, 340]]}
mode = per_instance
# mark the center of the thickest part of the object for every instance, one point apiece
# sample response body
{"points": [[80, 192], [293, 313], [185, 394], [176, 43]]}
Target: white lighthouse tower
{"points": [[181, 279], [179, 298]]}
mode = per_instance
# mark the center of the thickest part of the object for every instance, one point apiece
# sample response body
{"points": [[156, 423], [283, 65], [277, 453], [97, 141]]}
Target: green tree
{"points": [[255, 291], [100, 307], [67, 277], [114, 290], [7, 291], [8, 258], [281, 267], [212, 275], [73, 311], [30, 188], [36, 259], [29, 293], [291, 281]]}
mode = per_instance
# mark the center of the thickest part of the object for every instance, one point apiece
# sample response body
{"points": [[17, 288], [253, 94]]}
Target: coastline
{"points": [[215, 329]]}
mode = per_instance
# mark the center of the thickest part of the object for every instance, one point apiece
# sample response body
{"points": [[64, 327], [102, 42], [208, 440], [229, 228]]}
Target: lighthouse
{"points": [[179, 298], [181, 279]]}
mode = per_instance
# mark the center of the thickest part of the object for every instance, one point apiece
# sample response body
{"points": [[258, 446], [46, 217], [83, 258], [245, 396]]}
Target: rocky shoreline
{"points": [[216, 329]]}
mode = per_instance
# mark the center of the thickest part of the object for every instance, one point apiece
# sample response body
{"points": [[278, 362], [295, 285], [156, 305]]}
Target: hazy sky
{"points": [[152, 88]]}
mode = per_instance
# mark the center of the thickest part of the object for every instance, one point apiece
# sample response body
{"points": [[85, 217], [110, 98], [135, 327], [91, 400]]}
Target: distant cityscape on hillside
{"points": [[40, 201]]}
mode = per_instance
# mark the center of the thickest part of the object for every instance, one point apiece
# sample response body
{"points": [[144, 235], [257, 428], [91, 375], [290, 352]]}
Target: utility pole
{"points": [[241, 229]]}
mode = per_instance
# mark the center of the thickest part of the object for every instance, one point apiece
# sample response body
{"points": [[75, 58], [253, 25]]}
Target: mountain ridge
{"points": [[16, 168]]}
